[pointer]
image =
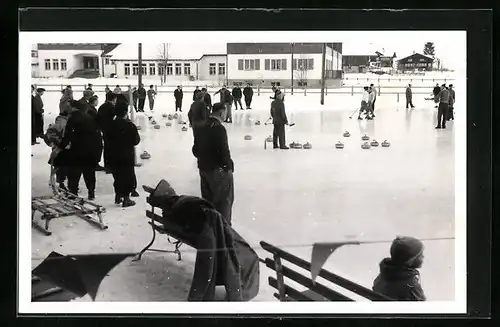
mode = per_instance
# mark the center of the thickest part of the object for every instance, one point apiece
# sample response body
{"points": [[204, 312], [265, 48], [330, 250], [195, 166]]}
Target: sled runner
{"points": [[63, 204], [316, 291]]}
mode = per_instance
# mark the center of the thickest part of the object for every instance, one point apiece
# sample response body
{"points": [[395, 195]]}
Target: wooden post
{"points": [[352, 90], [323, 59], [139, 76], [397, 97], [132, 118], [291, 68], [279, 277]]}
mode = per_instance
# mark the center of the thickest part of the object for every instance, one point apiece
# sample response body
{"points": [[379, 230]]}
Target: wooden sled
{"points": [[316, 291], [63, 204]]}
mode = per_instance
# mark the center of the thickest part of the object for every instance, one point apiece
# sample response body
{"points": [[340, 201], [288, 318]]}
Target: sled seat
{"points": [[165, 227], [315, 291]]}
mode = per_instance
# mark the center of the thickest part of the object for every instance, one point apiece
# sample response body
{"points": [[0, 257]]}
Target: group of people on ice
{"points": [[368, 102]]}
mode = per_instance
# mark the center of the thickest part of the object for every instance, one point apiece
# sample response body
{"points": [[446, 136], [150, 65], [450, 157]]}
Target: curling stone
{"points": [[170, 117], [365, 137], [374, 143], [145, 155], [307, 146], [339, 145], [176, 115], [248, 137], [138, 127], [157, 126], [386, 144], [269, 138], [168, 124], [164, 115], [365, 146], [295, 145], [153, 122], [347, 134], [184, 128], [257, 122]]}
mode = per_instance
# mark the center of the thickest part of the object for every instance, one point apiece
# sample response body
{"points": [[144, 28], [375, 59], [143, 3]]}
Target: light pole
{"points": [[323, 58], [291, 64]]}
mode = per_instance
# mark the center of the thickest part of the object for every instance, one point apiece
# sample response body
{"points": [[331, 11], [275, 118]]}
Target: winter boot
{"points": [[134, 194], [118, 199], [91, 195], [127, 202]]}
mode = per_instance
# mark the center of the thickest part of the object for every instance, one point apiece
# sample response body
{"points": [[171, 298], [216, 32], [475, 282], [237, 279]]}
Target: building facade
{"points": [[35, 68], [414, 62], [282, 64]]}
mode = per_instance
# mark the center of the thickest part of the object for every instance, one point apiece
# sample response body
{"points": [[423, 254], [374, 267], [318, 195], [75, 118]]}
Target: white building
{"points": [[281, 63], [35, 69], [69, 59], [178, 63]]}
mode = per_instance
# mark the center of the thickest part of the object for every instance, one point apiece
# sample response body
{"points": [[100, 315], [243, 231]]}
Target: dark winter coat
{"points": [[208, 100], [225, 96], [135, 95], [92, 112], [105, 116], [278, 112], [84, 137], [211, 146], [195, 93], [83, 104], [141, 93], [197, 114], [248, 92], [122, 136], [178, 94], [436, 90], [408, 93], [151, 94], [400, 283], [123, 98], [37, 104], [443, 96], [237, 92], [452, 97], [236, 266]]}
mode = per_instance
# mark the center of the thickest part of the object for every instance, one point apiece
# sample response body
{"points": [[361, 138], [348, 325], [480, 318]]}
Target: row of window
{"points": [[276, 64], [410, 59], [418, 64], [57, 64], [177, 68]]}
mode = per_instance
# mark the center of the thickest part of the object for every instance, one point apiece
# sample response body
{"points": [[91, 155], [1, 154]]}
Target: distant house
{"points": [[357, 63], [415, 61]]}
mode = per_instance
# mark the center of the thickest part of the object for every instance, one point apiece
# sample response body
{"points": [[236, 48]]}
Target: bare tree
{"points": [[163, 58], [301, 69]]}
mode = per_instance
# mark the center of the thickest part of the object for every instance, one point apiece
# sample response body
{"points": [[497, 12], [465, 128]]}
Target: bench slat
{"points": [[290, 292], [163, 226]]}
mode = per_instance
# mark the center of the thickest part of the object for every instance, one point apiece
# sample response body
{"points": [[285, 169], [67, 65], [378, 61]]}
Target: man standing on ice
{"points": [[37, 115], [409, 96], [197, 114], [451, 116], [178, 95], [141, 92], [435, 91], [443, 99], [216, 167], [374, 91], [237, 97], [371, 99], [365, 98], [226, 99], [279, 121], [248, 93], [151, 97], [195, 92], [105, 116], [207, 99]]}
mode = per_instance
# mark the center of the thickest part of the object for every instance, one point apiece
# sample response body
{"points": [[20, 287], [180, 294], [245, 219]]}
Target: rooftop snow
{"points": [[153, 51]]}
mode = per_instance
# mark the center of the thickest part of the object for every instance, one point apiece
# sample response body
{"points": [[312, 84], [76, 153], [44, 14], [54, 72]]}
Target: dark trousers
{"points": [[217, 187], [141, 104], [61, 174], [135, 104], [248, 102], [450, 113], [74, 174], [125, 180], [236, 102], [106, 152], [279, 134], [33, 129], [178, 104], [442, 114], [409, 102], [151, 103], [373, 105]]}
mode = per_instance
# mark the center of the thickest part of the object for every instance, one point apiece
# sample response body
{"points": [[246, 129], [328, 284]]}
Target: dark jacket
{"points": [[195, 92], [84, 105], [208, 100], [178, 94], [197, 114], [225, 96], [452, 96], [92, 112], [436, 90], [141, 93], [123, 98], [151, 94], [278, 112], [122, 136], [443, 96], [199, 224], [105, 116], [400, 283], [211, 147], [408, 93], [37, 104], [135, 95], [84, 137], [237, 92], [248, 92]]}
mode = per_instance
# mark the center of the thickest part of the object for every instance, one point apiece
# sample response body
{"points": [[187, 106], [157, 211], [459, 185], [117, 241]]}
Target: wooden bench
{"points": [[316, 291]]}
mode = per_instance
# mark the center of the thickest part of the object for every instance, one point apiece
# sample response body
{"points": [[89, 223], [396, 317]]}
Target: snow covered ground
{"points": [[288, 198]]}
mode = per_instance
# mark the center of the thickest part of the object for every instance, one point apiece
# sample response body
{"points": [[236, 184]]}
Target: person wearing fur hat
{"points": [[122, 136], [399, 278]]}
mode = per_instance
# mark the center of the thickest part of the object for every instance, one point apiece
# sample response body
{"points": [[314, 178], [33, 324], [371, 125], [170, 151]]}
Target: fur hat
{"points": [[406, 249]]}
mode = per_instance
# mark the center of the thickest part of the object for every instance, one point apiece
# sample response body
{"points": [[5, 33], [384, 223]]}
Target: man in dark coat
{"points": [[248, 93], [84, 102], [227, 100], [237, 97], [399, 278], [197, 114], [107, 89], [37, 115], [443, 98], [84, 135], [409, 96], [279, 121], [141, 92], [195, 92], [207, 99], [216, 167], [178, 95], [435, 91], [151, 97], [451, 115], [105, 116], [122, 136], [135, 97]]}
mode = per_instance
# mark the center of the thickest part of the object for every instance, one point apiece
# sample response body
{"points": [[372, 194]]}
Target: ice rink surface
{"points": [[287, 198]]}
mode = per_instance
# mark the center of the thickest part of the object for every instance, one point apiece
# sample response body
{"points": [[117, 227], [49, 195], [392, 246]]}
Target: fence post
{"points": [[398, 97], [258, 90], [305, 90], [326, 90], [352, 90], [379, 89], [156, 88]]}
